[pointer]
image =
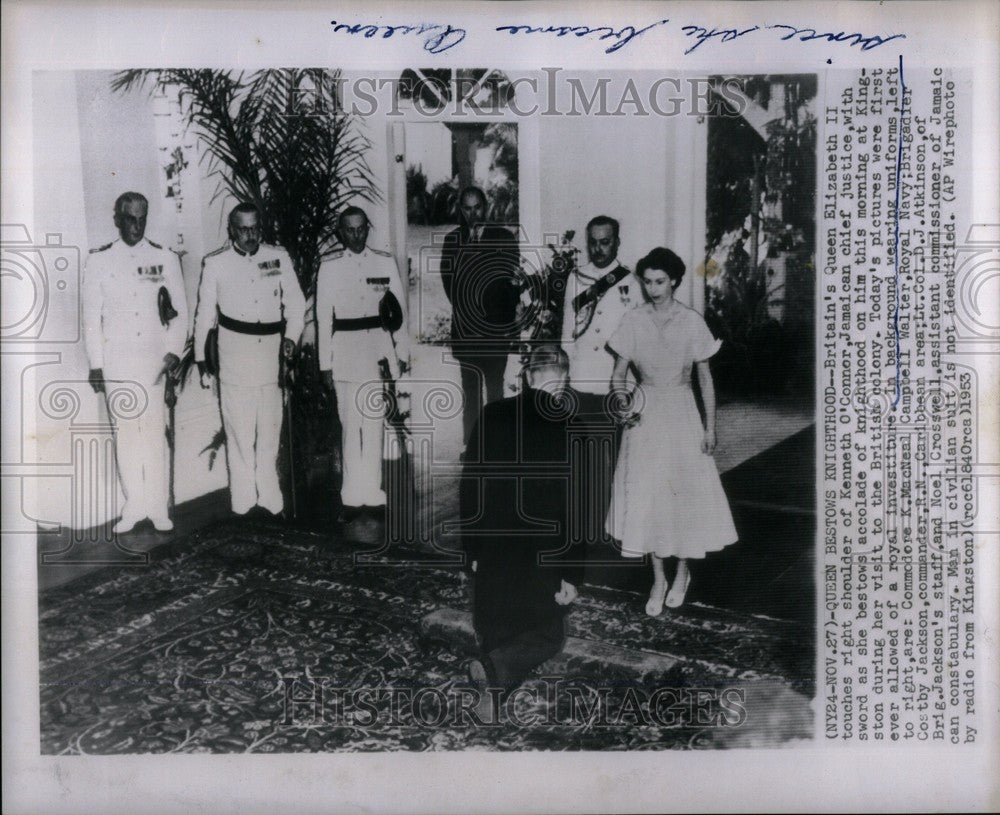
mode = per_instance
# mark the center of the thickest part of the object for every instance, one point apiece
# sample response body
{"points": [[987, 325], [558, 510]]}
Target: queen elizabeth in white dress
{"points": [[667, 498]]}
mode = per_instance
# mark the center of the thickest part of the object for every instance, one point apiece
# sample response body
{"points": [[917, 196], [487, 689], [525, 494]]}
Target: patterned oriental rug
{"points": [[251, 637]]}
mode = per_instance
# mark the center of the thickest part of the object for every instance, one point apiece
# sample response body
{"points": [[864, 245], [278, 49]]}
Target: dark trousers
{"points": [[510, 660], [479, 373], [599, 439]]}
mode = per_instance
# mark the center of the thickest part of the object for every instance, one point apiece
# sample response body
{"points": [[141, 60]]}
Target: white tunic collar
{"points": [[243, 254]]}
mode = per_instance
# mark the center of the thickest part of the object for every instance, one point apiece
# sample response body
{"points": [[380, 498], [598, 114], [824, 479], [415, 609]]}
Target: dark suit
{"points": [[519, 478], [479, 278]]}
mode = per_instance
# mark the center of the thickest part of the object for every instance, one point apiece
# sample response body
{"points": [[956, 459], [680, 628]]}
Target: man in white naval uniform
{"points": [[135, 321], [353, 292], [597, 296], [249, 290]]}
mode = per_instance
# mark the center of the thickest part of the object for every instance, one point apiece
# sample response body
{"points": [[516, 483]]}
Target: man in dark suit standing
{"points": [[479, 262], [522, 543]]}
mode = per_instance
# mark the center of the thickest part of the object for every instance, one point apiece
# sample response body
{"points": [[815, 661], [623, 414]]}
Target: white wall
{"points": [[90, 145], [637, 169], [605, 166], [54, 394], [119, 153], [430, 145]]}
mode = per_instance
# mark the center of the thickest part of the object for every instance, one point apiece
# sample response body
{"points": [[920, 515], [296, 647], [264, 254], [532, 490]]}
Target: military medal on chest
{"points": [[154, 272]]}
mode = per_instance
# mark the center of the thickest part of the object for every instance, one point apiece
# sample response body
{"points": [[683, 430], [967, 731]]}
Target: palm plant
{"points": [[767, 176], [417, 197], [275, 138]]}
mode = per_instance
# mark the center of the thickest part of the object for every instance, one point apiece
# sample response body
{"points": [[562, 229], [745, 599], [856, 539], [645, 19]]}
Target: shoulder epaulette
{"points": [[154, 244], [215, 252], [102, 248], [335, 255], [381, 252]]}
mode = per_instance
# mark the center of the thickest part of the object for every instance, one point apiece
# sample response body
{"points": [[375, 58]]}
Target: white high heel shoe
{"points": [[678, 591], [654, 605]]}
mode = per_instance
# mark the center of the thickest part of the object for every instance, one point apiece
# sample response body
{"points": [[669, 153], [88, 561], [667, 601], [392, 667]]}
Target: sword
{"points": [[167, 312], [291, 450], [395, 421], [170, 398], [284, 374]]}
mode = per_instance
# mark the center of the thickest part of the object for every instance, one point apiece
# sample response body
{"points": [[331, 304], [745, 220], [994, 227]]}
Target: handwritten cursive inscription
{"points": [[437, 37], [622, 36], [440, 37], [703, 34], [809, 34]]}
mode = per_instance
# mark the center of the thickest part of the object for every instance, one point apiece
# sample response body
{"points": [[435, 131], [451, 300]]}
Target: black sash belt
{"points": [[597, 289], [257, 329], [356, 323]]}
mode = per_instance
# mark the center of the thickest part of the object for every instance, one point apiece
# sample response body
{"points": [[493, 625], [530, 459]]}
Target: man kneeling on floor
{"points": [[515, 500]]}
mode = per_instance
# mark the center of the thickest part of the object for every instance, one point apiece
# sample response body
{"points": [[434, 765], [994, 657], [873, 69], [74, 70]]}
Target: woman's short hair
{"points": [[666, 261]]}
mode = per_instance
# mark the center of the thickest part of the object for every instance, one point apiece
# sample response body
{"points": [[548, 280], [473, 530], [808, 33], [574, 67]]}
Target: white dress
{"points": [[667, 497]]}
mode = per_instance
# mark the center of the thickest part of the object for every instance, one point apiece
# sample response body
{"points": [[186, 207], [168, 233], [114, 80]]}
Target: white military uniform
{"points": [[585, 333], [258, 288], [125, 338], [351, 286]]}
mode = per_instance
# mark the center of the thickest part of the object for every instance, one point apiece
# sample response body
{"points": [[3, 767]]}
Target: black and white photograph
{"points": [[362, 462], [430, 401]]}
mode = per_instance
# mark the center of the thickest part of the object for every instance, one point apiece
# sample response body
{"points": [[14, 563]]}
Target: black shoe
{"points": [[479, 677], [375, 513], [349, 514]]}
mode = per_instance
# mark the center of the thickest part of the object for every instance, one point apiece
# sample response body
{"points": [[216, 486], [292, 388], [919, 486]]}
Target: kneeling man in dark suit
{"points": [[518, 529]]}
